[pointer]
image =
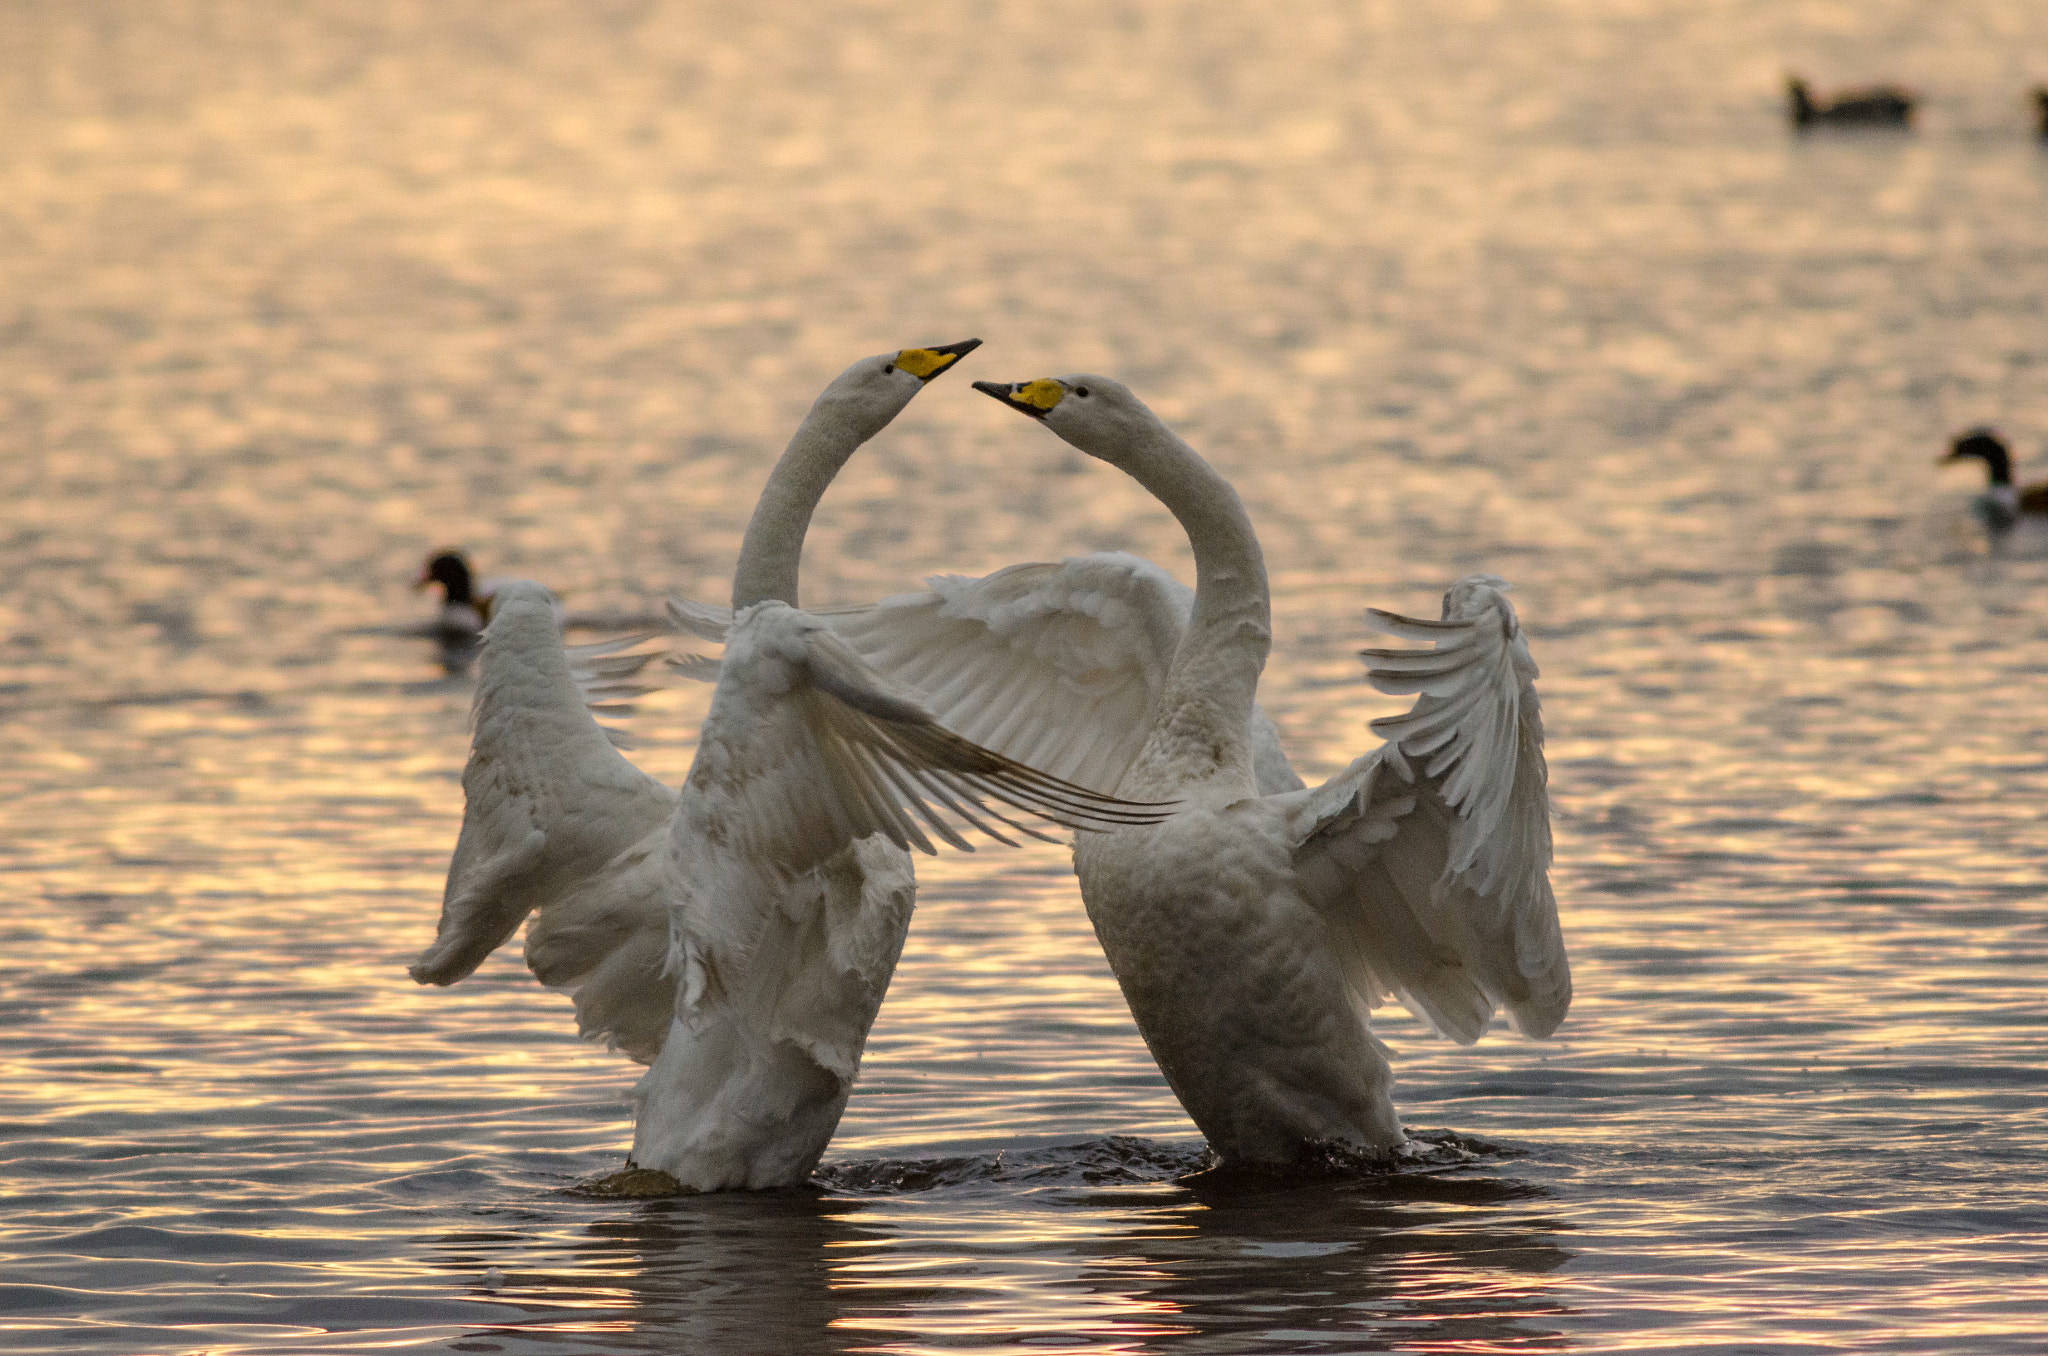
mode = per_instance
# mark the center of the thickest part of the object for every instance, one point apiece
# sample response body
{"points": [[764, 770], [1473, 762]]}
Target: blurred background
{"points": [[292, 296]]}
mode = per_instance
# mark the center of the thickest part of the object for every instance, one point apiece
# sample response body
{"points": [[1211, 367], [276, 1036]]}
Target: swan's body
{"points": [[1252, 929], [737, 936], [1876, 106], [2001, 504]]}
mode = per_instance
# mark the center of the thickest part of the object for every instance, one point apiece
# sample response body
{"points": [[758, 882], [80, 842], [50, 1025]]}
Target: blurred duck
{"points": [[2002, 503], [736, 936], [465, 604], [1877, 106]]}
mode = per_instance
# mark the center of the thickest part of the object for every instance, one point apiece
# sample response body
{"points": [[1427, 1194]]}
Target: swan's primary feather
{"points": [[838, 752], [705, 621], [1053, 665], [609, 679]]}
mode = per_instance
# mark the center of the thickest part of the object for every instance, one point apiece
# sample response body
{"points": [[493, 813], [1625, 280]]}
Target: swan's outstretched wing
{"points": [[808, 748], [1053, 665], [548, 801], [1430, 856]]}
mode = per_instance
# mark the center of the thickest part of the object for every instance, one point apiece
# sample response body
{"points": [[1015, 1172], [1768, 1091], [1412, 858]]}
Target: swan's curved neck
{"points": [[774, 544], [1214, 676]]}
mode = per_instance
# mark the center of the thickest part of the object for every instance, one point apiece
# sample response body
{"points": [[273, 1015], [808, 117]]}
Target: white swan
{"points": [[1252, 929], [740, 935]]}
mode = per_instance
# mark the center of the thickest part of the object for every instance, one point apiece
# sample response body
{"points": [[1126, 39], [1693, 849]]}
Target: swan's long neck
{"points": [[1206, 701], [774, 544]]}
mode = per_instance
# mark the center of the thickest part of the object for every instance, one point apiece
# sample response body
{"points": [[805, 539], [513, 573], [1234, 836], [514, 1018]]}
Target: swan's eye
{"points": [[1081, 391], [886, 370]]}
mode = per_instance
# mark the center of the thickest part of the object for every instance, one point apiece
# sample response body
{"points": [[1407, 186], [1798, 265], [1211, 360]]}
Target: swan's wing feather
{"points": [[698, 668], [1052, 665], [609, 679], [1475, 731], [1430, 856], [548, 802], [705, 621], [1380, 924], [808, 748], [606, 945]]}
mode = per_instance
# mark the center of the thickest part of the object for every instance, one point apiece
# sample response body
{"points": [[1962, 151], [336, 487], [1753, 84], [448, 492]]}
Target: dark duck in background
{"points": [[1877, 106], [2002, 503], [464, 608]]}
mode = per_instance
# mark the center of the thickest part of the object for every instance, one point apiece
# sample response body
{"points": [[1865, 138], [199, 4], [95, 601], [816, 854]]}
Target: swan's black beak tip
{"points": [[1006, 391], [926, 363], [953, 352]]}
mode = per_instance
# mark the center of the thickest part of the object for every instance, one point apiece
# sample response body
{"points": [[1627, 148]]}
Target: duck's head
{"points": [[1988, 448], [867, 395], [1098, 415], [451, 572]]}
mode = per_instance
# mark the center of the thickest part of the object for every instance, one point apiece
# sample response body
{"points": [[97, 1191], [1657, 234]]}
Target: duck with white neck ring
{"points": [[1250, 932]]}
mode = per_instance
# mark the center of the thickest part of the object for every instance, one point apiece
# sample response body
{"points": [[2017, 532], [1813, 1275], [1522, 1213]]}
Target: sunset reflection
{"points": [[295, 295]]}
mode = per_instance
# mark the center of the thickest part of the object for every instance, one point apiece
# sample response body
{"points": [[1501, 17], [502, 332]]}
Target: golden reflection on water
{"points": [[290, 298]]}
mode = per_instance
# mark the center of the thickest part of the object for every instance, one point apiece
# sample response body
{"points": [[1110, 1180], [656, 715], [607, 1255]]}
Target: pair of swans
{"points": [[738, 936]]}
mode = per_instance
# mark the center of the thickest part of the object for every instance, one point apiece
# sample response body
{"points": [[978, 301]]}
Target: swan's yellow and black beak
{"points": [[1035, 398], [926, 363]]}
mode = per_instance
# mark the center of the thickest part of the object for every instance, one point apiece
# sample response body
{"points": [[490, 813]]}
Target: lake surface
{"points": [[290, 296]]}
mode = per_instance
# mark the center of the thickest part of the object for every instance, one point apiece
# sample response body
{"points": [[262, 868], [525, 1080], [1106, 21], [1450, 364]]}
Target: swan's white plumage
{"points": [[811, 747], [1055, 665], [738, 936], [1419, 871], [607, 677], [1430, 855], [548, 800], [551, 811]]}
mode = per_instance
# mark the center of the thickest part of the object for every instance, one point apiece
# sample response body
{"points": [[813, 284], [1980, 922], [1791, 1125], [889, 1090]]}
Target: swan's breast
{"points": [[1206, 899], [1228, 971]]}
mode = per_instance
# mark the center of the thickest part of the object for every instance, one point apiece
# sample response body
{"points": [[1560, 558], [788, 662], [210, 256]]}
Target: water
{"points": [[289, 298]]}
